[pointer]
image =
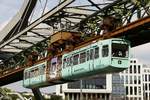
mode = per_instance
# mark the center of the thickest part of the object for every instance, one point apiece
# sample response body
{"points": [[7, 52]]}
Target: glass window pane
{"points": [[119, 50], [96, 53], [82, 57], [88, 55], [75, 59], [64, 63], [105, 51], [91, 54]]}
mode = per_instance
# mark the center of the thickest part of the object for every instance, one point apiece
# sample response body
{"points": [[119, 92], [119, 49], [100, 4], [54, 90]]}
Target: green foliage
{"points": [[7, 90], [55, 97]]}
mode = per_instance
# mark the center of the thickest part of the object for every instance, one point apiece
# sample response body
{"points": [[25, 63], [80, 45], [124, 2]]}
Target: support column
{"points": [[72, 96], [77, 96], [86, 96], [105, 97], [68, 96], [37, 94], [96, 96]]}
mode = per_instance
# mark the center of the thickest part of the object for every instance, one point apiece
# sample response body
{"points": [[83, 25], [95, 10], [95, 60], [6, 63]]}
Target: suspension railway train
{"points": [[101, 57]]}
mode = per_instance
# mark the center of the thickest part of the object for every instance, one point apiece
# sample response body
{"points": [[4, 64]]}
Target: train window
{"points": [[75, 59], [32, 73], [91, 54], [42, 69], [36, 72], [64, 63], [119, 50], [26, 75], [105, 51], [88, 55], [53, 67], [71, 61], [82, 57], [68, 62], [96, 53]]}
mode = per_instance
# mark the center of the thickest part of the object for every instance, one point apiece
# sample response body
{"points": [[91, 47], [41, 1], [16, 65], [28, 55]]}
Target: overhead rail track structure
{"points": [[87, 18]]}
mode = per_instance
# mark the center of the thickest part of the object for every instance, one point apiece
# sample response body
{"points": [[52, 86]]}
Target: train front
{"points": [[120, 54]]}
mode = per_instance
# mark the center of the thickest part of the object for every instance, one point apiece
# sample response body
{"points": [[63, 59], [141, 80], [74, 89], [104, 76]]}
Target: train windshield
{"points": [[120, 50]]}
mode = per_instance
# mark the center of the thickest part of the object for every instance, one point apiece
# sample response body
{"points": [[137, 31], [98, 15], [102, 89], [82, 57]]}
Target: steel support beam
{"points": [[37, 94], [37, 22], [19, 21]]}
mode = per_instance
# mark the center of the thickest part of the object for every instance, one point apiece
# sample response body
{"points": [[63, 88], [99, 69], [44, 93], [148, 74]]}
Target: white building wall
{"points": [[136, 83], [146, 82], [88, 94]]}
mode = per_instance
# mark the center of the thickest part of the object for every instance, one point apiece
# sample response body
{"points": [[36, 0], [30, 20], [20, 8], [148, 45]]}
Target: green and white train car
{"points": [[106, 56], [100, 57]]}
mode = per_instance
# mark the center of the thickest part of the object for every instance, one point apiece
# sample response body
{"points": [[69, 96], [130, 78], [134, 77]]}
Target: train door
{"points": [[53, 68]]}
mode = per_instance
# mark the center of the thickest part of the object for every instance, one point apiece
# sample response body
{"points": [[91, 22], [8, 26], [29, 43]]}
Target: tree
{"points": [[55, 97]]}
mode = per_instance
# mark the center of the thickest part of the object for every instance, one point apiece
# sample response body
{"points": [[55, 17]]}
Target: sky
{"points": [[8, 9]]}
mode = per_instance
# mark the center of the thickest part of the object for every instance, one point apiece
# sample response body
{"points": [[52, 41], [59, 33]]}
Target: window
{"points": [[135, 80], [88, 55], [26, 75], [134, 61], [36, 72], [139, 90], [75, 59], [64, 63], [146, 87], [91, 54], [120, 50], [134, 68], [126, 79], [139, 79], [131, 80], [139, 69], [68, 61], [53, 67], [130, 69], [82, 57], [105, 51], [71, 61], [32, 73], [96, 53], [145, 77], [135, 90], [42, 69], [131, 90], [126, 90]]}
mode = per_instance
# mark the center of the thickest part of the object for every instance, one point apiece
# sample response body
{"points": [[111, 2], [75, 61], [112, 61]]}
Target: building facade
{"points": [[131, 84], [97, 88], [133, 80]]}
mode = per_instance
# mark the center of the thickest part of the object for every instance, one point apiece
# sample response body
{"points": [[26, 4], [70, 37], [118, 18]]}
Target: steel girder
{"points": [[78, 16]]}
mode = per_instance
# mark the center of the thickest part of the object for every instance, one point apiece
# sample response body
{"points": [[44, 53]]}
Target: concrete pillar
{"points": [[68, 97], [91, 96], [96, 96], [77, 96], [105, 97], [86, 96], [72, 96]]}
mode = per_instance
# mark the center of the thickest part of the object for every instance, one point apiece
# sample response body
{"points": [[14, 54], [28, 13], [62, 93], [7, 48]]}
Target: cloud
{"points": [[142, 53], [3, 24]]}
